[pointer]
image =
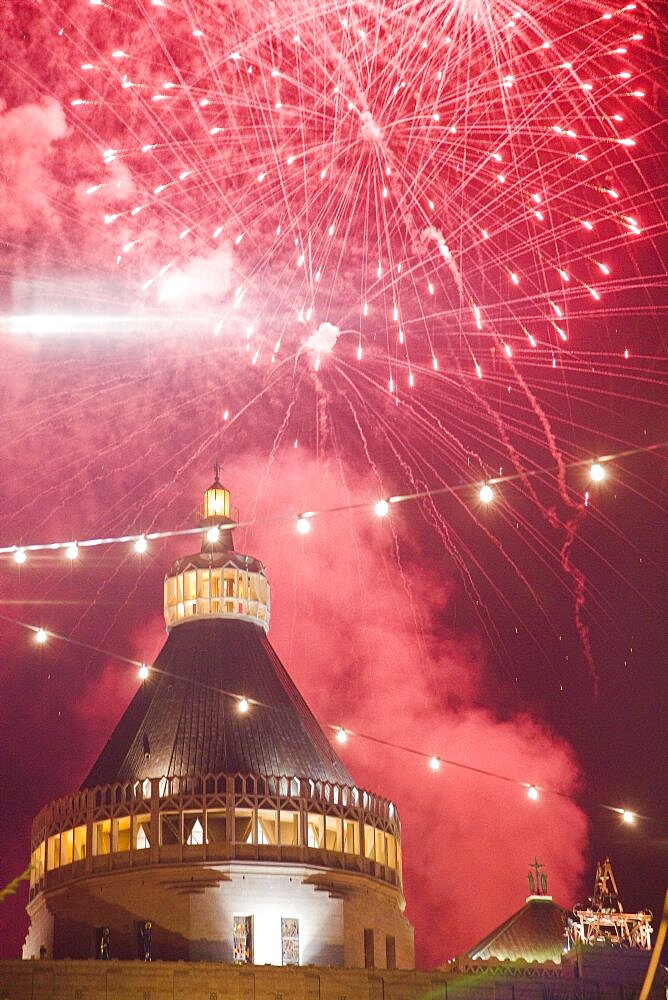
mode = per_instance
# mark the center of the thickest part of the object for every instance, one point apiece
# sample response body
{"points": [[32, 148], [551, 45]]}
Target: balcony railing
{"points": [[215, 817]]}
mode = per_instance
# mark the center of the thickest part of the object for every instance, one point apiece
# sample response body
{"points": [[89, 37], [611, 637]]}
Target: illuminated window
{"points": [[102, 837], [266, 826], [203, 579], [66, 847], [316, 830], [189, 585], [390, 851], [289, 828], [37, 859], [79, 843], [122, 833], [193, 829], [369, 839], [333, 834], [380, 846], [351, 836], [53, 852], [217, 502], [170, 591], [141, 826], [289, 941], [243, 939], [170, 828]]}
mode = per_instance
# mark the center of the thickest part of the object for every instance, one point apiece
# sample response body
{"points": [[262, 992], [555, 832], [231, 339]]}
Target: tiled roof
{"points": [[180, 723], [535, 933]]}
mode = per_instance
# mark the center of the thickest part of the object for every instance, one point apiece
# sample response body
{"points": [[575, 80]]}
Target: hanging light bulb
{"points": [[213, 535], [303, 524], [41, 635], [141, 545], [242, 705], [434, 763], [532, 792], [143, 672], [628, 816], [597, 472], [341, 735], [486, 493], [20, 556], [381, 508], [72, 551]]}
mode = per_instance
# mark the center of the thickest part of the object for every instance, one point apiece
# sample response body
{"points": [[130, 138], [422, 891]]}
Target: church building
{"points": [[218, 823]]}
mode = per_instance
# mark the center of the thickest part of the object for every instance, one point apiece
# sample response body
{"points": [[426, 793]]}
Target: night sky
{"points": [[330, 342]]}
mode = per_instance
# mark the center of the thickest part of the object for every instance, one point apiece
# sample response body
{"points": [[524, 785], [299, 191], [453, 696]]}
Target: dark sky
{"points": [[527, 637]]}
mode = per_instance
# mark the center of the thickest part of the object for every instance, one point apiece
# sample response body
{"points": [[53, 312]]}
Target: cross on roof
{"points": [[537, 881]]}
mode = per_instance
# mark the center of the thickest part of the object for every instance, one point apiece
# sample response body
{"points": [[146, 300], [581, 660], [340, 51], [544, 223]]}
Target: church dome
{"points": [[218, 812], [183, 720]]}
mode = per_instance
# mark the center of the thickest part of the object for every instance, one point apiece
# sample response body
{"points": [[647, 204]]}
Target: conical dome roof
{"points": [[183, 720], [534, 933]]}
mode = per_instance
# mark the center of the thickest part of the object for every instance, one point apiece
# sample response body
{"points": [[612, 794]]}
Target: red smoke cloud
{"points": [[362, 640], [27, 148], [356, 618]]}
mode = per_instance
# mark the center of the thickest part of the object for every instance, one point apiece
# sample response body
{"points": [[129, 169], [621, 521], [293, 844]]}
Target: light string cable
{"points": [[381, 507], [244, 703]]}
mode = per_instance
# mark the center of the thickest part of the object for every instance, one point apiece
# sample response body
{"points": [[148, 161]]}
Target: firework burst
{"points": [[426, 177]]}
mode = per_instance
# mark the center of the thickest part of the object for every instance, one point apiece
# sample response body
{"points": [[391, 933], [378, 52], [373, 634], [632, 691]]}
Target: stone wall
{"points": [[116, 980], [191, 909]]}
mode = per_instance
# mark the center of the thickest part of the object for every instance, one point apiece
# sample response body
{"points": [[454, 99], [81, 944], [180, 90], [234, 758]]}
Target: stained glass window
{"points": [[243, 940], [290, 940]]}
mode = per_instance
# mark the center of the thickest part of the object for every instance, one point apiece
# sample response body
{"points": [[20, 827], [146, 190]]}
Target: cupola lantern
{"points": [[216, 502], [217, 581]]}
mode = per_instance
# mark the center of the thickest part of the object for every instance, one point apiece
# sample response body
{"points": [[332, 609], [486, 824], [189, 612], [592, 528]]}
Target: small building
{"points": [[542, 948], [532, 938], [218, 823]]}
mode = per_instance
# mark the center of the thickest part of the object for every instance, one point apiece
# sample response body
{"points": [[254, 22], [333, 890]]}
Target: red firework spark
{"points": [[412, 175]]}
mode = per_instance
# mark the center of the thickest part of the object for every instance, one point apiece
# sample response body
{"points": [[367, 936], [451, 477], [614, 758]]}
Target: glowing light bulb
{"points": [[72, 551], [486, 493], [243, 705], [41, 635], [434, 763], [141, 545], [597, 472], [381, 508], [213, 535], [628, 816], [143, 672], [341, 735], [303, 525], [20, 556], [532, 792]]}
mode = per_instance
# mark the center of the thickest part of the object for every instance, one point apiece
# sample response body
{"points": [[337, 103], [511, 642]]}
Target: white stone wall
{"points": [[192, 908]]}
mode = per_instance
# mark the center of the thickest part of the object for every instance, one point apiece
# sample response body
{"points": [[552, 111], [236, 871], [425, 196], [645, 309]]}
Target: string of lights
{"points": [[597, 471], [342, 734]]}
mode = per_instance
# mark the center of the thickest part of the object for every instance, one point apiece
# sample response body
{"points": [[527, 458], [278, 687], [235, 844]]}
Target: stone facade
{"points": [[192, 910], [116, 980]]}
